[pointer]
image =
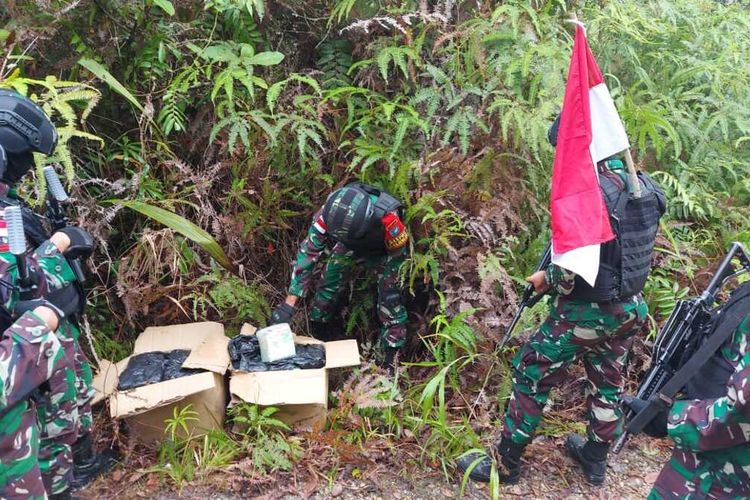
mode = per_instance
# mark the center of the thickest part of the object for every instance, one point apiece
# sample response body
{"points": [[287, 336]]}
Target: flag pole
{"points": [[632, 175], [634, 183]]}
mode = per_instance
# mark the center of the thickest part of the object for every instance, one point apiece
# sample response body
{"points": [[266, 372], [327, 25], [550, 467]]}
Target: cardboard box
{"points": [[300, 395], [145, 408]]}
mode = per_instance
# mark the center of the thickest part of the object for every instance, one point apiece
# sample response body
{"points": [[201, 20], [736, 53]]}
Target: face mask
{"points": [[16, 167]]}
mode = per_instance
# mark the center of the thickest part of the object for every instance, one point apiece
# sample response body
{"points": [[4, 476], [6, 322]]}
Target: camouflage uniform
{"points": [[30, 355], [64, 414], [711, 458], [57, 411], [19, 422], [331, 287], [598, 333]]}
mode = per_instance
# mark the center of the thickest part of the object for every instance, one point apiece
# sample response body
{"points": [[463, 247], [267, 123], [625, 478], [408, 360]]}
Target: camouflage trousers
{"points": [[20, 477], [601, 336], [65, 414], [332, 286], [689, 476]]}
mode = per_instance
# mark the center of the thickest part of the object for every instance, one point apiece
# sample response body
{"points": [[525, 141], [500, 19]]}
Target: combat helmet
{"points": [[348, 213], [24, 129]]}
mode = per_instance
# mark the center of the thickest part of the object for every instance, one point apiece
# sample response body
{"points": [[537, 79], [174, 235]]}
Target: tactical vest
{"points": [[625, 262], [373, 241]]}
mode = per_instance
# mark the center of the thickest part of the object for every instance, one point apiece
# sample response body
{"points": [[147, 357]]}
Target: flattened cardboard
{"points": [[341, 353], [185, 336], [212, 355]]}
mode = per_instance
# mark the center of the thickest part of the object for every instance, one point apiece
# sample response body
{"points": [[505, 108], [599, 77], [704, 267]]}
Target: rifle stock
{"points": [[676, 342]]}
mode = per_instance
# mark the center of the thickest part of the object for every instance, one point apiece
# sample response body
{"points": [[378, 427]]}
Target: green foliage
{"points": [[253, 7], [182, 226], [334, 61], [270, 448], [234, 300], [220, 109], [68, 104], [185, 457]]}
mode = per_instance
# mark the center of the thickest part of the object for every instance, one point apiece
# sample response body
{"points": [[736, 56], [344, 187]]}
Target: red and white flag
{"points": [[590, 130]]}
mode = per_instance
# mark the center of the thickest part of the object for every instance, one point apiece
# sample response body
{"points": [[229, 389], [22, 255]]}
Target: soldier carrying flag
{"points": [[602, 239]]}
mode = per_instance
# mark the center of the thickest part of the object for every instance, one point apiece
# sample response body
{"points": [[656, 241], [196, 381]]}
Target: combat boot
{"points": [[87, 464], [65, 495], [505, 453], [591, 456]]}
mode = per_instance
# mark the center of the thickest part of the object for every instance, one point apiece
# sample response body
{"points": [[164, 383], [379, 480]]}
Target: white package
{"points": [[276, 342]]}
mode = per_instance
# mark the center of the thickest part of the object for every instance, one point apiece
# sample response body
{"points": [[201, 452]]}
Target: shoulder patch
{"points": [[395, 232], [320, 225]]}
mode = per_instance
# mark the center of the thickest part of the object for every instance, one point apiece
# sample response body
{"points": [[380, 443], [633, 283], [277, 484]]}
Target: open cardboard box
{"points": [[300, 395], [145, 408]]}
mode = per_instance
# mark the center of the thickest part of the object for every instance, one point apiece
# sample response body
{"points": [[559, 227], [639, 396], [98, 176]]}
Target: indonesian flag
{"points": [[590, 130]]}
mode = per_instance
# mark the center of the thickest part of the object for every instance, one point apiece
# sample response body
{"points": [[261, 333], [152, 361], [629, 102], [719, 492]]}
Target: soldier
{"points": [[64, 415], [594, 324], [711, 455], [30, 340], [358, 224], [30, 355]]}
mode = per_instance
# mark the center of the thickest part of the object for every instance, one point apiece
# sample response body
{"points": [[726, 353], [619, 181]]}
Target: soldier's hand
{"points": [[48, 315], [282, 314], [539, 281], [81, 243], [657, 427], [62, 302]]}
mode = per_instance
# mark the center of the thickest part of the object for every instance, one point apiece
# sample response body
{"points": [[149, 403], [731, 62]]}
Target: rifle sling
{"points": [[663, 399]]}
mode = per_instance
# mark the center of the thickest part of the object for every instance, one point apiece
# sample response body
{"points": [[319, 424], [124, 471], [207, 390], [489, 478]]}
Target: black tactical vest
{"points": [[373, 240], [625, 262]]}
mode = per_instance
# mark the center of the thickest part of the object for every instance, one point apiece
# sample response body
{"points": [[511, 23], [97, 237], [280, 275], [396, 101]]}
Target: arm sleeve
{"points": [[53, 266], [711, 424], [562, 280], [29, 355], [308, 254]]}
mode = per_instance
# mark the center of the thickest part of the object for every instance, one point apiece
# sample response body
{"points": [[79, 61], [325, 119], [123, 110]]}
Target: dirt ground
{"points": [[547, 474]]}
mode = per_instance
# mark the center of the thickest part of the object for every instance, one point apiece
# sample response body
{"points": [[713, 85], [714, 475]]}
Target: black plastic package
{"points": [[142, 369], [173, 365], [244, 351], [153, 367]]}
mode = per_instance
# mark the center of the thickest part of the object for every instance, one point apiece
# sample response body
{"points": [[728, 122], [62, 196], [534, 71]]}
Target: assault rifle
{"points": [[678, 343], [56, 200], [528, 300]]}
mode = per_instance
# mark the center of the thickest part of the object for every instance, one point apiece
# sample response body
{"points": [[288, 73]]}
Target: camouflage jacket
{"points": [[30, 354], [712, 436], [318, 240], [27, 342]]}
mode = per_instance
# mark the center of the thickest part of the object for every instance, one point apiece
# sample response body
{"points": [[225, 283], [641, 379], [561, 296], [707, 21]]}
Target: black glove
{"points": [[81, 243], [63, 302], [282, 314], [657, 427]]}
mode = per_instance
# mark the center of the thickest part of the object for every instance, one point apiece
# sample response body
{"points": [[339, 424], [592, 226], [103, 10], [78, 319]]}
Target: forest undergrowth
{"points": [[199, 136]]}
